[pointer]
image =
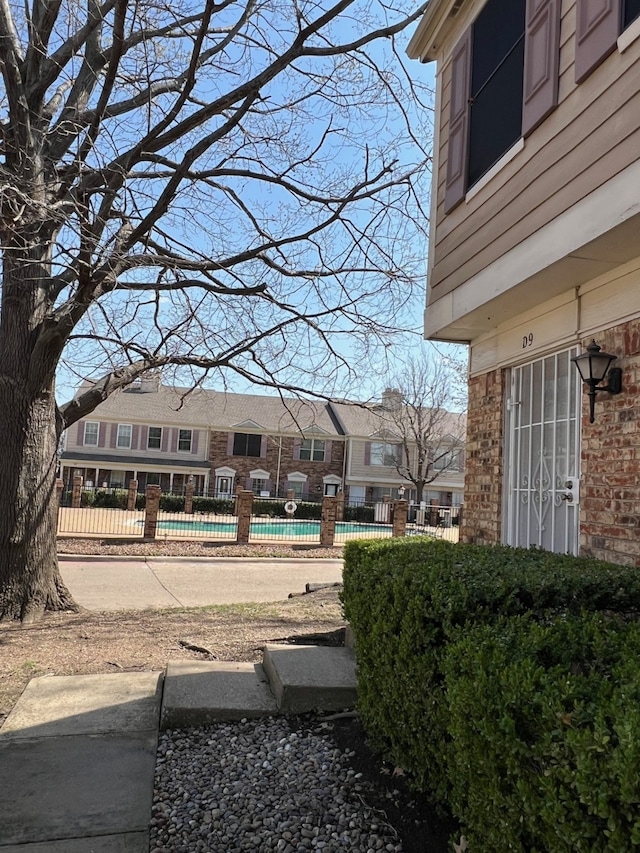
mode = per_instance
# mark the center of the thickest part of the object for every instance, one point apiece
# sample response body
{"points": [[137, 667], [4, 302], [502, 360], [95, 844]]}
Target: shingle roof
{"points": [[365, 421], [217, 410]]}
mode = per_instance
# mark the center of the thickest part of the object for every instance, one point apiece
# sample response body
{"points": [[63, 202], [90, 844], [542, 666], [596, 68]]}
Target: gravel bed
{"points": [[261, 785]]}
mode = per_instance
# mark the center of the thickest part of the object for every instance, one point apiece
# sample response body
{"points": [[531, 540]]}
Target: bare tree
{"points": [[215, 186], [418, 407]]}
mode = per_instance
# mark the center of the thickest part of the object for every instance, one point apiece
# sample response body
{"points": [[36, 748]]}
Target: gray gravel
{"points": [[256, 785]]}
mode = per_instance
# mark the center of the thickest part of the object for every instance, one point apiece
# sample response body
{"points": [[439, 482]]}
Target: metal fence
{"points": [[100, 521], [117, 513]]}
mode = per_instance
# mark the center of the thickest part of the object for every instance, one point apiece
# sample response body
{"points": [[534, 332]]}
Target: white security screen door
{"points": [[543, 416]]}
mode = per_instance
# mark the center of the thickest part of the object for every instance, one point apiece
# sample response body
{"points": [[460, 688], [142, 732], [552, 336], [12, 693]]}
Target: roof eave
{"points": [[436, 23]]}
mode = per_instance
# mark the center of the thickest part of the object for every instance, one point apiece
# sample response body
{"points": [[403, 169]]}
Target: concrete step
{"points": [[291, 680], [197, 693], [311, 678]]}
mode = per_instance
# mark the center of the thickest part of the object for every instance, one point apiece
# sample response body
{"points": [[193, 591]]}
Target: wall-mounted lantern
{"points": [[593, 366]]}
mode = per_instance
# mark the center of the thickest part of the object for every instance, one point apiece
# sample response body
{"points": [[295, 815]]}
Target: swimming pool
{"points": [[273, 528]]}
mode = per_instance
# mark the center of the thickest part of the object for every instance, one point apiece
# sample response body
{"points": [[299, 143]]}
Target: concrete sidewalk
{"points": [[136, 583], [78, 753]]}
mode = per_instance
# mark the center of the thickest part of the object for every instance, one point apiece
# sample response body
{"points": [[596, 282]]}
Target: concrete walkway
{"points": [[77, 753], [139, 582]]}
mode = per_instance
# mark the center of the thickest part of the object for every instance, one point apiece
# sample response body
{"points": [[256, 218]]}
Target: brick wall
{"points": [[315, 471], [610, 487], [484, 460]]}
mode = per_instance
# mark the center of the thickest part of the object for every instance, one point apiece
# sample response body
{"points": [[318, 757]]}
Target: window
{"points": [[504, 82], [91, 433], [384, 454], [447, 460], [258, 486], [598, 26], [246, 444], [123, 438], [154, 439], [497, 72], [184, 440], [312, 449], [630, 11]]}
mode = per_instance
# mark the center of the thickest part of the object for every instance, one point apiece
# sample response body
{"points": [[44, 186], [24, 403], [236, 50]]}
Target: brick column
{"points": [[328, 521], [188, 497], [76, 494], [244, 504], [340, 507], [132, 495], [399, 518], [151, 511]]}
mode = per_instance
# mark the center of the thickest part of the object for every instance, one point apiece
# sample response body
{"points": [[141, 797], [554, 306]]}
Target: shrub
{"points": [[171, 503], [406, 598], [362, 514], [218, 506], [110, 498], [545, 734]]}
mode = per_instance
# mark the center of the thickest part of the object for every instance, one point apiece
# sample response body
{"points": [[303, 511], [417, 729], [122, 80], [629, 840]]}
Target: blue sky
{"points": [[370, 370]]}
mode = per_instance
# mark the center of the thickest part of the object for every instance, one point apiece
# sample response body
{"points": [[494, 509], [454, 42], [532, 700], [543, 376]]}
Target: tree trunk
{"points": [[30, 581]]}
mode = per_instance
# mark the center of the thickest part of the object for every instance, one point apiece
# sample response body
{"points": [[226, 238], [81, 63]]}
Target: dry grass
{"points": [[88, 642]]}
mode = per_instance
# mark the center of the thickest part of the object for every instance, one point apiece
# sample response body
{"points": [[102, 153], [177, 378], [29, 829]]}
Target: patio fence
{"points": [[125, 514]]}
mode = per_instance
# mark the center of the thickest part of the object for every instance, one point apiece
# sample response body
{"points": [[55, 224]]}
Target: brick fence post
{"points": [[132, 495], [328, 521], [188, 497], [340, 507], [399, 518], [244, 504], [151, 511], [76, 493]]}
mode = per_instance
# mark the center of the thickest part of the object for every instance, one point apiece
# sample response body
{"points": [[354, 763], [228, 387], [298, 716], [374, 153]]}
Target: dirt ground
{"points": [[90, 642]]}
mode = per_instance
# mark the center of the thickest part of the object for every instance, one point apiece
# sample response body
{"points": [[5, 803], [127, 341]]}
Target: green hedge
{"points": [[362, 514], [275, 509], [407, 598], [544, 723]]}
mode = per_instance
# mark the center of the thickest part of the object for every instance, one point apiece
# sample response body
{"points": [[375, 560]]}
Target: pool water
{"points": [[276, 528]]}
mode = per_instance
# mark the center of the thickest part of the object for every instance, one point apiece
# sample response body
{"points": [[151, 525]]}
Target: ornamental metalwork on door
{"points": [[543, 456]]}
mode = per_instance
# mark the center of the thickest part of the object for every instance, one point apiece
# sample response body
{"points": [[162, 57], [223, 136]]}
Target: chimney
{"points": [[392, 399], [150, 382]]}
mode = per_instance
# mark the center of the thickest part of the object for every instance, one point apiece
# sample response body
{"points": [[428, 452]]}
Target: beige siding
{"points": [[369, 473], [154, 456], [592, 136]]}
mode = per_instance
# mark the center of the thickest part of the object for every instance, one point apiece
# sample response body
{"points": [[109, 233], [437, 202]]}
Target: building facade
{"points": [[166, 436], [534, 252]]}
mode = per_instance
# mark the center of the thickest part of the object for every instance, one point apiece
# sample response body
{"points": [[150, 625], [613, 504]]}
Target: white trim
{"points": [[331, 479], [124, 446], [297, 477], [628, 36], [154, 449], [259, 474], [86, 443], [224, 471], [190, 431], [507, 157]]}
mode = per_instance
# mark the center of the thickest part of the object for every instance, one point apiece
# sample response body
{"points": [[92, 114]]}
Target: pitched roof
{"points": [[218, 410], [374, 420]]}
